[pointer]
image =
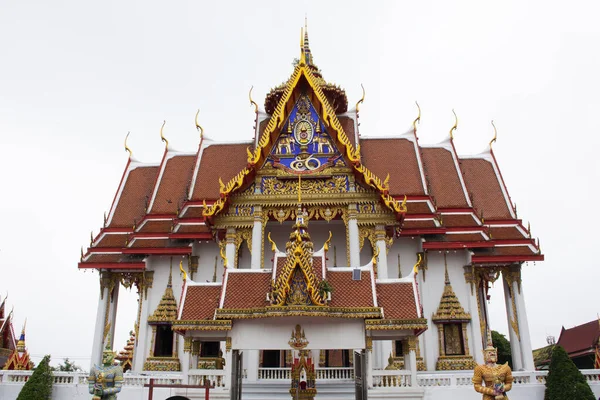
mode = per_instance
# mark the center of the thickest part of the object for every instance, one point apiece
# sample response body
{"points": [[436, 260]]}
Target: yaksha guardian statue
{"points": [[491, 379], [105, 381]]}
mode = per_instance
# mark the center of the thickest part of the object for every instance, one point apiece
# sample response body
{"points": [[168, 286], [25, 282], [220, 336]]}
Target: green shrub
{"points": [[565, 381], [39, 385]]}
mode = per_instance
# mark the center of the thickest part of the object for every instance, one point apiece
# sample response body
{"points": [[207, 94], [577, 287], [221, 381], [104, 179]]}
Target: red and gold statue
{"points": [[491, 379]]}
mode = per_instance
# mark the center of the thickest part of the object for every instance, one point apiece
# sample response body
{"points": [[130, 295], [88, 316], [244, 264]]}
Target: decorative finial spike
{"points": [[362, 99], [162, 137], [455, 125], [495, 134], [299, 190], [418, 119], [418, 264], [302, 55], [170, 281], [91, 238], [127, 149], [183, 273], [81, 258], [252, 102], [446, 276], [198, 127]]}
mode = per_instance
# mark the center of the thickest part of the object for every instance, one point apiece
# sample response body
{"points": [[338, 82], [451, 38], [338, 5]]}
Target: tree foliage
{"points": [[67, 366], [503, 345], [565, 381], [39, 385]]}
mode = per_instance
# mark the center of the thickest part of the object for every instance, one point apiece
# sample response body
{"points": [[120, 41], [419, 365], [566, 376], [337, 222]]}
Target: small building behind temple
{"points": [[13, 352], [580, 342]]}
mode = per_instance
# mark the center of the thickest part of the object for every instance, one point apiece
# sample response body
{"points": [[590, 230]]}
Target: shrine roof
{"points": [[397, 299], [219, 160], [579, 338], [131, 199], [200, 301], [348, 292], [405, 173], [174, 178], [444, 177], [246, 289], [486, 188]]}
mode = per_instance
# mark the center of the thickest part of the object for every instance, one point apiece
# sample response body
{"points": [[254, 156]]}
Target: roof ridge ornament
{"points": [[495, 135], [252, 102], [198, 127], [362, 99], [455, 125], [162, 136], [183, 273], [127, 147], [418, 119]]}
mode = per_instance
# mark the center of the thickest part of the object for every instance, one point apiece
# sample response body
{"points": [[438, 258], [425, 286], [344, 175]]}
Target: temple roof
{"points": [[581, 339], [452, 202]]}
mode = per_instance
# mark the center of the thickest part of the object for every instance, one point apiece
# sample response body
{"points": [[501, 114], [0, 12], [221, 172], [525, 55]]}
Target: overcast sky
{"points": [[76, 76]]}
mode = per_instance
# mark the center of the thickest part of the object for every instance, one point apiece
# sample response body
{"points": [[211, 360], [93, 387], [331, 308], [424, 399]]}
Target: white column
{"points": [[476, 341], [353, 237], [515, 345], [144, 334], [526, 350], [257, 243], [230, 248], [228, 357], [411, 357], [103, 298], [382, 264], [251, 358]]}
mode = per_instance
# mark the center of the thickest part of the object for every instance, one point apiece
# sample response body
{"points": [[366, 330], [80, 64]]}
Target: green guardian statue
{"points": [[106, 380]]}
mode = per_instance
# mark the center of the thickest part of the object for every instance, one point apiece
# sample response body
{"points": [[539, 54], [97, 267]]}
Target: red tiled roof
{"points": [[132, 201], [200, 302], [188, 228], [482, 183], [218, 161], [405, 175], [417, 207], [513, 251], [505, 233], [350, 293], [173, 184], [580, 337], [397, 300], [451, 220], [443, 177], [247, 290], [147, 243], [162, 226], [104, 258], [426, 223], [112, 240], [464, 237]]}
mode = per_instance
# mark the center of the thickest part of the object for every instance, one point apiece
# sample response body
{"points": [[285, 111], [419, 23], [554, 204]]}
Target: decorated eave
{"points": [[451, 202]]}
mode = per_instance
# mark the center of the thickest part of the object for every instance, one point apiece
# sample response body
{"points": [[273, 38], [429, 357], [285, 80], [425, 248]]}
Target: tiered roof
{"points": [[452, 202]]}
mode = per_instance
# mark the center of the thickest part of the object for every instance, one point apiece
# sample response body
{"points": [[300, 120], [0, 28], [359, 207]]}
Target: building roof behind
{"points": [[580, 338]]}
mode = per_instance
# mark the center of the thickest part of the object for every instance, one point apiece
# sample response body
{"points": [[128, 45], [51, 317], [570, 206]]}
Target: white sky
{"points": [[75, 76]]}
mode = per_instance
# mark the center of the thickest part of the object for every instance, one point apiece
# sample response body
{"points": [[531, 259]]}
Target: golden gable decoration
{"points": [[166, 312]]}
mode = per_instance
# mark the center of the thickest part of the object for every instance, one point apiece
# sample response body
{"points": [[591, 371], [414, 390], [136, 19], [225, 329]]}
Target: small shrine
{"points": [[19, 359], [125, 356], [303, 377]]}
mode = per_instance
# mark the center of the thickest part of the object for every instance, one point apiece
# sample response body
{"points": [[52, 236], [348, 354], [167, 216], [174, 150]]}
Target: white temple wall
{"points": [[319, 233], [161, 267], [431, 283], [407, 248], [206, 252]]}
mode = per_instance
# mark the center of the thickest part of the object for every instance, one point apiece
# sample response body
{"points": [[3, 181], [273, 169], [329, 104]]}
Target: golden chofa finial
{"points": [[198, 127], [418, 119], [182, 271], [252, 102], [273, 245], [127, 147], [327, 242], [418, 264], [362, 99], [162, 136], [375, 255], [495, 134], [455, 125]]}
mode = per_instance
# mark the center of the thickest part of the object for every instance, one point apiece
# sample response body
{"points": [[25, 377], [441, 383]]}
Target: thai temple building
{"points": [[13, 352], [309, 249]]}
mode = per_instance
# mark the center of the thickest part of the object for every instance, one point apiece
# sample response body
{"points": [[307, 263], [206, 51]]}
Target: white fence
{"points": [[322, 374]]}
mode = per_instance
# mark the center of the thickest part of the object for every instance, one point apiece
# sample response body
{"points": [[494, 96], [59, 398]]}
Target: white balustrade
{"points": [[391, 378], [200, 376], [334, 373], [275, 373]]}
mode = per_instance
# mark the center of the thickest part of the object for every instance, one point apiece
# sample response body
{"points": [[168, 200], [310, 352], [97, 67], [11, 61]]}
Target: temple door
{"points": [[236, 375], [360, 376]]}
